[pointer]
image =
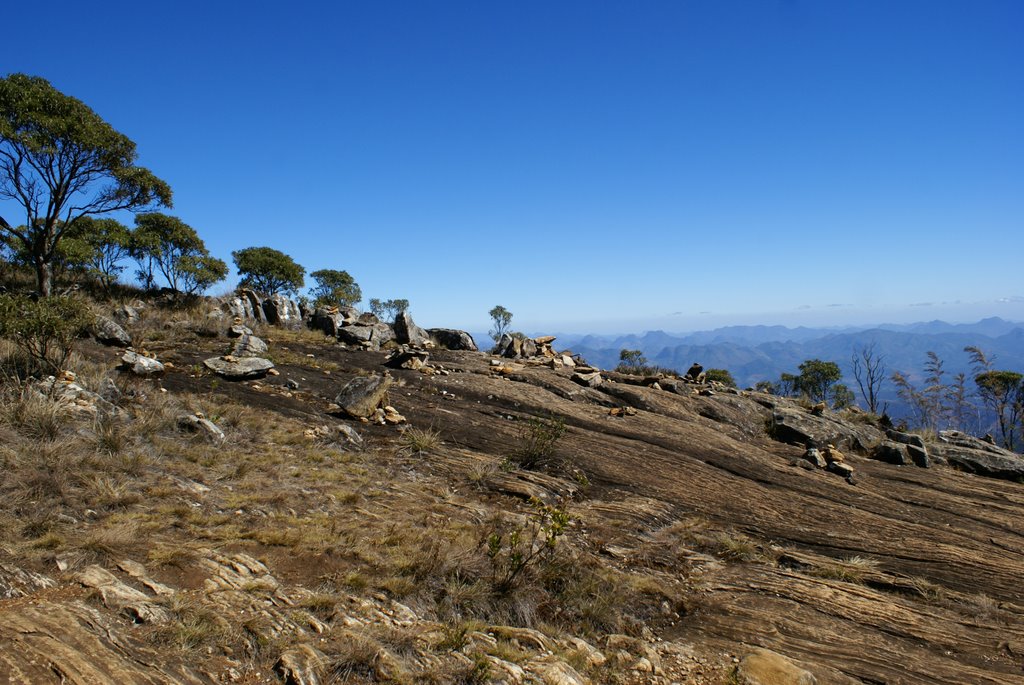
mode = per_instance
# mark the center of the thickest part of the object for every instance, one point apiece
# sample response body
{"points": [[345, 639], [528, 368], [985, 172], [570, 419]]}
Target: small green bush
{"points": [[45, 330], [538, 438], [515, 551]]}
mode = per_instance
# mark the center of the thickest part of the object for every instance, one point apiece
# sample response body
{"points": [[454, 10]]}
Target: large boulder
{"points": [[239, 368], [280, 311], [109, 332], [330, 320], [371, 336], [408, 333], [890, 452], [451, 339], [361, 396], [502, 345], [253, 305], [970, 454]]}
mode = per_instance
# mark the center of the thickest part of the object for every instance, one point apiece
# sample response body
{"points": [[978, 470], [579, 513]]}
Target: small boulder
{"points": [[238, 330], [197, 423], [588, 380], [141, 365], [361, 396], [813, 455], [236, 369], [408, 359], [249, 345], [109, 332], [841, 468]]}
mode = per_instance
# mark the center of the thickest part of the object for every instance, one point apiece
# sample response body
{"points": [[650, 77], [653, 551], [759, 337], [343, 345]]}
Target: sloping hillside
{"points": [[668, 535]]}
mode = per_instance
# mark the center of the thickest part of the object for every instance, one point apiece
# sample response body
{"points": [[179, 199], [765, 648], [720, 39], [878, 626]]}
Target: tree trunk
{"points": [[44, 277]]}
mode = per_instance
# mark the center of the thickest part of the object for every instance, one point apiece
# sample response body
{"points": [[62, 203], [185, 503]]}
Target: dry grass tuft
{"points": [[418, 440], [849, 570]]}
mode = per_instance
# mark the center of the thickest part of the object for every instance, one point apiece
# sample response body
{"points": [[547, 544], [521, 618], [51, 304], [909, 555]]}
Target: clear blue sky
{"points": [[588, 165]]}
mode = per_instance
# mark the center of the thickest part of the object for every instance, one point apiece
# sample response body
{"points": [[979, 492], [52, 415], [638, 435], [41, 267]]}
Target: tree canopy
{"points": [[333, 287], [168, 245], [388, 310], [61, 162], [268, 271], [502, 319]]}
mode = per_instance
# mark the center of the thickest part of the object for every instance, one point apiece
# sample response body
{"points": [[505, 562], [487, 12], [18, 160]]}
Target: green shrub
{"points": [[513, 552], [538, 438], [45, 329]]}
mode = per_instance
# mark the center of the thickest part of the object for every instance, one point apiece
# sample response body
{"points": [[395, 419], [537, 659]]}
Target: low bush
{"points": [[538, 438], [44, 330]]}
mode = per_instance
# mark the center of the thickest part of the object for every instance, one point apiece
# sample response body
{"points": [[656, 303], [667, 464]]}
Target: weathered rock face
{"points": [[141, 365], [792, 425], [236, 369], [408, 333], [371, 336], [361, 396], [977, 456], [330, 320], [765, 667], [109, 332], [451, 339], [890, 452], [281, 311]]}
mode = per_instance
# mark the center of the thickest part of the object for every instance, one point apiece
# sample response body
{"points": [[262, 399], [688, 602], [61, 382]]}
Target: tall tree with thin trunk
{"points": [[60, 162]]}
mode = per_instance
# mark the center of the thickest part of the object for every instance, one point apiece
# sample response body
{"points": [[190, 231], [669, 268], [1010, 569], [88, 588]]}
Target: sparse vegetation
{"points": [[537, 443]]}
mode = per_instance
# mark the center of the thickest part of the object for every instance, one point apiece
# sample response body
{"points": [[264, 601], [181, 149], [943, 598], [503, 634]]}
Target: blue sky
{"points": [[588, 165]]}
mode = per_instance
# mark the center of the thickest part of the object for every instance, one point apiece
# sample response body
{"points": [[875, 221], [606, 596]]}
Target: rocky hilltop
{"points": [[316, 497]]}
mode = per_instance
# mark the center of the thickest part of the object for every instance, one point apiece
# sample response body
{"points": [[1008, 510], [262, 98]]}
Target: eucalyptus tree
{"points": [[60, 162]]}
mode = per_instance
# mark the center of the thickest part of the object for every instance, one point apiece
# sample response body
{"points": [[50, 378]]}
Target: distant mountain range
{"points": [[756, 353]]}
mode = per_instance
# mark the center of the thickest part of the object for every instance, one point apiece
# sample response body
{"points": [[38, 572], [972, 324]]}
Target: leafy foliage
{"points": [[44, 329], [631, 361], [1003, 393], [61, 162], [334, 288], [817, 377], [721, 376], [268, 271], [387, 310], [513, 552], [168, 245], [538, 438]]}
